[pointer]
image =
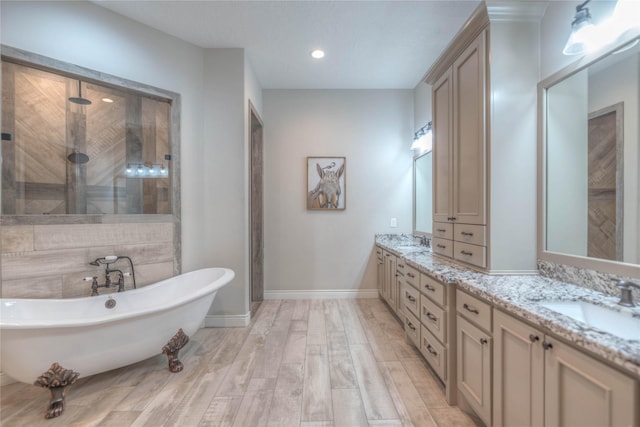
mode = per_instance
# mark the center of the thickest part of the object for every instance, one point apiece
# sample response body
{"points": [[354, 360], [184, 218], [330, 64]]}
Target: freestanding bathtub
{"points": [[83, 335]]}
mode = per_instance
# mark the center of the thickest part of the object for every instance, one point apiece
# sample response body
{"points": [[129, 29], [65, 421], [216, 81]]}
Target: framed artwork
{"points": [[326, 183]]}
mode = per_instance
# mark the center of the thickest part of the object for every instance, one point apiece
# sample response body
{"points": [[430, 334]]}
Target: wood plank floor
{"points": [[299, 363]]}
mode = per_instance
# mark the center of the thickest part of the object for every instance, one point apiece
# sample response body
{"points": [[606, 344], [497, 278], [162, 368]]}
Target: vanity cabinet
{"points": [[539, 380], [459, 152], [474, 353], [483, 116]]}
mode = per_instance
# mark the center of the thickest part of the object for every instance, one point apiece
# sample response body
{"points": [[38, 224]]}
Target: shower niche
{"points": [[72, 144]]}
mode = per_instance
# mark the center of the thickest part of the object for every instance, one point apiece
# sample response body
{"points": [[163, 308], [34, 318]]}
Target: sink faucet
{"points": [[626, 296]]}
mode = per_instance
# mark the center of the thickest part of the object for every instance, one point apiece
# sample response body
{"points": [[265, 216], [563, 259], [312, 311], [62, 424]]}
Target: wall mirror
{"points": [[590, 199], [79, 142], [422, 193]]}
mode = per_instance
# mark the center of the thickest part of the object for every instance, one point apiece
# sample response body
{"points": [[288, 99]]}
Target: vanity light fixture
{"points": [[583, 32], [317, 54], [586, 37], [423, 138]]}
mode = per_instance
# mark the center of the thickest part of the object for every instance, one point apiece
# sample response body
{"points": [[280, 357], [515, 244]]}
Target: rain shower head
{"points": [[78, 158], [79, 99]]}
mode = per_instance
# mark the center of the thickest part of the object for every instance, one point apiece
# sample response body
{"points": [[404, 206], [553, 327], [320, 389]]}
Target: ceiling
{"points": [[369, 44]]}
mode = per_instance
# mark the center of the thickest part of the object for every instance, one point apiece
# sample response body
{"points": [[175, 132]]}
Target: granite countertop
{"points": [[521, 295]]}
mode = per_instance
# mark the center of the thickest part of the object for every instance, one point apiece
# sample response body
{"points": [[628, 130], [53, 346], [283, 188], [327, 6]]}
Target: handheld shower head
{"points": [[104, 260]]}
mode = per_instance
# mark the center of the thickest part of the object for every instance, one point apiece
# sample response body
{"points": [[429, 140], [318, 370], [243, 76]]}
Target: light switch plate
{"points": [[394, 223]]}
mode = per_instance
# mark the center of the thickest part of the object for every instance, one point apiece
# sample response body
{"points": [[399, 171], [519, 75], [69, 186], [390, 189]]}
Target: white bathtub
{"points": [[83, 335]]}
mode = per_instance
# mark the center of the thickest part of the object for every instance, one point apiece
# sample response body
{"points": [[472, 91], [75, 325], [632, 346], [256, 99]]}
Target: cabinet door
{"points": [[393, 283], [518, 373], [580, 391], [442, 96], [474, 368], [380, 277], [469, 136], [389, 275]]}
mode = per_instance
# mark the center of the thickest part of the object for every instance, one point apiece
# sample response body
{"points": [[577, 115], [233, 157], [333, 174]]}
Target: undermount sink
{"points": [[605, 319]]}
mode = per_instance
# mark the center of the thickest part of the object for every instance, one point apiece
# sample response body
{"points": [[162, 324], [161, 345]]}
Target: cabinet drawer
{"points": [[411, 299], [467, 233], [443, 230], [378, 251], [434, 352], [412, 328], [471, 254], [434, 318], [477, 311], [442, 247], [412, 277], [433, 289]]}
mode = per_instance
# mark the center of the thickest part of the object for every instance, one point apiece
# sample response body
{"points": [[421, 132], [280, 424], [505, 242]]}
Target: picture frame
{"points": [[326, 183]]}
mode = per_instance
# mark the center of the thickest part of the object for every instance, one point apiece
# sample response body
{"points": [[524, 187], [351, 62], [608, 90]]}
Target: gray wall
{"points": [[320, 250]]}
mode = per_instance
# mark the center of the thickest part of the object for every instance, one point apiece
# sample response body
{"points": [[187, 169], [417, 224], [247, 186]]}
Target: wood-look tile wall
{"points": [[50, 261]]}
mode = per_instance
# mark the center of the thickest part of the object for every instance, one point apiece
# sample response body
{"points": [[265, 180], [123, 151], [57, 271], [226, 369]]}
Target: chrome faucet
{"points": [[626, 294]]}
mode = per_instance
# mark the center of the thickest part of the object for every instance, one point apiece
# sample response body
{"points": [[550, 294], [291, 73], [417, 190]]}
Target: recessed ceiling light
{"points": [[317, 54], [107, 100]]}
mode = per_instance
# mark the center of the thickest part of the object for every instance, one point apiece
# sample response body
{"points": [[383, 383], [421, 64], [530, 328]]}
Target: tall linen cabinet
{"points": [[484, 121]]}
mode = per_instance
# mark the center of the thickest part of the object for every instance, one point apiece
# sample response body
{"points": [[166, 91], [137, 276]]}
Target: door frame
{"points": [[254, 119]]}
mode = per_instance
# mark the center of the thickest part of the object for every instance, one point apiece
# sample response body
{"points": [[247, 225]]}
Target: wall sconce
{"points": [[141, 170], [423, 138], [586, 37]]}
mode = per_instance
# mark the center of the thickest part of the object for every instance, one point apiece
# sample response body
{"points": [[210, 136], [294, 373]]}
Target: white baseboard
{"points": [[227, 321], [322, 294], [6, 379]]}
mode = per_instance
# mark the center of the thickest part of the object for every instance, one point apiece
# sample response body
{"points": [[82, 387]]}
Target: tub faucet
{"points": [[626, 296]]}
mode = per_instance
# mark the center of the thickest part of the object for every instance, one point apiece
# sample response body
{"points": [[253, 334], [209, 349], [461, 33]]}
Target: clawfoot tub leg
{"points": [[179, 340], [56, 379]]}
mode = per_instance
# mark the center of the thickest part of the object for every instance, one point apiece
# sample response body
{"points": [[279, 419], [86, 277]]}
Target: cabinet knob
{"points": [[533, 338], [483, 341], [411, 275], [547, 345]]}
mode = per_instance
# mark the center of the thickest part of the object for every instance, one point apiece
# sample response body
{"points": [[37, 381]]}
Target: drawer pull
{"points": [[451, 218], [410, 325], [432, 317], [441, 230], [483, 341], [533, 338], [413, 276], [466, 233], [431, 350], [430, 288], [466, 253], [547, 345], [441, 246], [410, 298], [470, 309], [400, 266]]}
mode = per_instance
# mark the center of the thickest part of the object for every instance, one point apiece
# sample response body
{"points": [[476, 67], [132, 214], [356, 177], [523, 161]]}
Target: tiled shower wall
{"points": [[50, 261]]}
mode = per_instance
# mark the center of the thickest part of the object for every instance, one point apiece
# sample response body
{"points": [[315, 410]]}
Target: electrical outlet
{"points": [[394, 223]]}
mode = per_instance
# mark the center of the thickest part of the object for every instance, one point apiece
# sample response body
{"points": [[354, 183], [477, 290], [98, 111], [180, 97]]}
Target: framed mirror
{"points": [[422, 194], [80, 145], [589, 191]]}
